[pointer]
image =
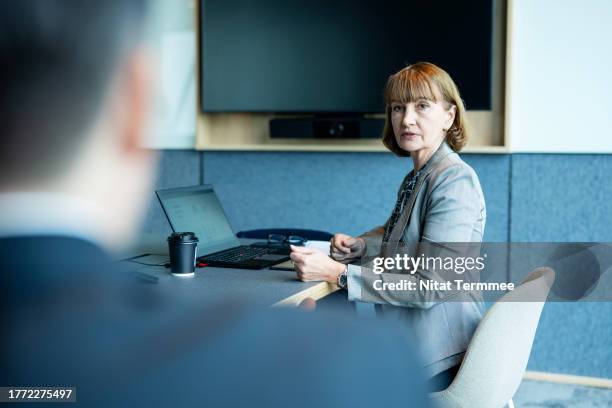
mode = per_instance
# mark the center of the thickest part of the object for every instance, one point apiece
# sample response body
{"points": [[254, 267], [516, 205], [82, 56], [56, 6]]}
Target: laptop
{"points": [[197, 209]]}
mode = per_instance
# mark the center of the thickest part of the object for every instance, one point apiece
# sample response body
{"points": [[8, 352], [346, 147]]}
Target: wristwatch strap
{"points": [[343, 278]]}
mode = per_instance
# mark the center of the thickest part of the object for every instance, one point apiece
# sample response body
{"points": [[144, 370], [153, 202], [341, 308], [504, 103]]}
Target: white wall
{"points": [[559, 76], [172, 42]]}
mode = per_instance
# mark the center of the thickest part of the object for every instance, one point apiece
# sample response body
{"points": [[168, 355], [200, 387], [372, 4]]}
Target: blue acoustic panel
{"points": [[176, 168], [574, 338], [335, 192], [494, 174], [566, 198], [561, 198]]}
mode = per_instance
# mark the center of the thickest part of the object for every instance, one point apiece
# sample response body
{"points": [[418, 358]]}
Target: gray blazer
{"points": [[446, 205]]}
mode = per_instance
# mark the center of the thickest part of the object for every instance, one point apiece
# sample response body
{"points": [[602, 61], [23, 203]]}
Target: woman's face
{"points": [[419, 125]]}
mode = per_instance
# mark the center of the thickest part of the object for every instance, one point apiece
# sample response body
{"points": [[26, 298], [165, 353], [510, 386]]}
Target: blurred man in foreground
{"points": [[75, 88]]}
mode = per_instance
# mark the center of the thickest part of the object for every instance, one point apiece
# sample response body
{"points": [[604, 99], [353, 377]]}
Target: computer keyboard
{"points": [[237, 254]]}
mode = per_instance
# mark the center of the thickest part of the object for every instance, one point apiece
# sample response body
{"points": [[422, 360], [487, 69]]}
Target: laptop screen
{"points": [[197, 209]]}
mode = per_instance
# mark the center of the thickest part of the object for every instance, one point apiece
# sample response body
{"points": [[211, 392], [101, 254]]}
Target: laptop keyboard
{"points": [[237, 254]]}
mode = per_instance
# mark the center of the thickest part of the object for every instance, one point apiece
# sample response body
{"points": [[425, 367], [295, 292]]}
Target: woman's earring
{"points": [[444, 129]]}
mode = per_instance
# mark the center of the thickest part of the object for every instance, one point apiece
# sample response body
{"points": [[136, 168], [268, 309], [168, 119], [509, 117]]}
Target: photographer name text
{"points": [[435, 285]]}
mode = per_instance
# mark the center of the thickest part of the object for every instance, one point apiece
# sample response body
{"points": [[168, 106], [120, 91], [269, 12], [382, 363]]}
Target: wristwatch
{"points": [[342, 278]]}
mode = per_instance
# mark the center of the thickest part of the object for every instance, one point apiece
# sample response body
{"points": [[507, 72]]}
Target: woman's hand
{"points": [[313, 265], [344, 247]]}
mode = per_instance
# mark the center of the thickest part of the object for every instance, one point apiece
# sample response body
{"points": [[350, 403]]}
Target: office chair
{"points": [[497, 355], [311, 235]]}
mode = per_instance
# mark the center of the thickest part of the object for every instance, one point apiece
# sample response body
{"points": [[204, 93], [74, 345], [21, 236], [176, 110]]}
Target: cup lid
{"points": [[187, 237]]}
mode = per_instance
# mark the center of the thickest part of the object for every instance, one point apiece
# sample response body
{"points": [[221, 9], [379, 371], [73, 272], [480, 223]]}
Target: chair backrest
{"points": [[497, 356], [312, 235]]}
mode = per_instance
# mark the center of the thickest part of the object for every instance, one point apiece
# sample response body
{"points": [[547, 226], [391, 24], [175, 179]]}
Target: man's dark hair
{"points": [[56, 61]]}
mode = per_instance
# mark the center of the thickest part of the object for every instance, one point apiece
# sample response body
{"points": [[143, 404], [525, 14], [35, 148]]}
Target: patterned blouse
{"points": [[402, 200]]}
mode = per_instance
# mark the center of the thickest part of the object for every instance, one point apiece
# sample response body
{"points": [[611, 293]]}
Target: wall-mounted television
{"points": [[334, 56]]}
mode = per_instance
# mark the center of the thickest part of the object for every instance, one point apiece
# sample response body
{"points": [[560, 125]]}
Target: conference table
{"points": [[265, 286]]}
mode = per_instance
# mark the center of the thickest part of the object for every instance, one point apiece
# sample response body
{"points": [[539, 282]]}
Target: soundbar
{"points": [[326, 128]]}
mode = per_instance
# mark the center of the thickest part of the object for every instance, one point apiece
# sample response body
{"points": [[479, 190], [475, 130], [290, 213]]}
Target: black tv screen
{"points": [[330, 56]]}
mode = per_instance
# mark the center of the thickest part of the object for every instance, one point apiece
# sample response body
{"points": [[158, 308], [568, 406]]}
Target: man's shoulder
{"points": [[57, 254], [46, 242]]}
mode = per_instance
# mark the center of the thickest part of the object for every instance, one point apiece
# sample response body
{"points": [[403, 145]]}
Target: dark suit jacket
{"points": [[70, 318]]}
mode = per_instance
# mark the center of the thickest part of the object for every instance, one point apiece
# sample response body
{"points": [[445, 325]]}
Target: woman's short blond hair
{"points": [[424, 80]]}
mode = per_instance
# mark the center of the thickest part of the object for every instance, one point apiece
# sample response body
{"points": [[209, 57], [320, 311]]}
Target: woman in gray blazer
{"points": [[439, 201]]}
